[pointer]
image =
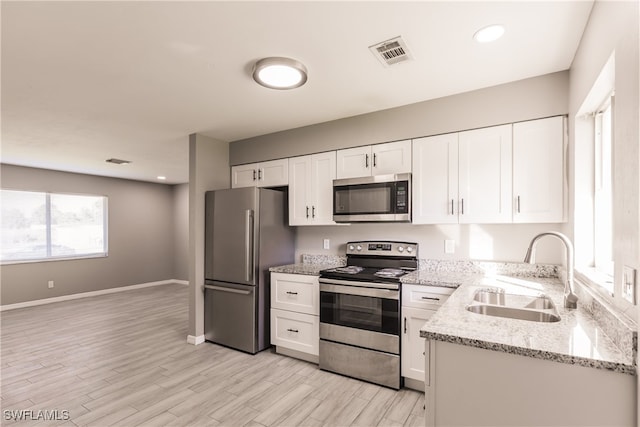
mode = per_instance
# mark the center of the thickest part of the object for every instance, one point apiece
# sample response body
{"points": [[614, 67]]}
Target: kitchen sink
{"points": [[497, 302]]}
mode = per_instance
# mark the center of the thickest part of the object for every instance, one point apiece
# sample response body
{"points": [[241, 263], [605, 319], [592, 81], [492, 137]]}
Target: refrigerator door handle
{"points": [[233, 291], [248, 245]]}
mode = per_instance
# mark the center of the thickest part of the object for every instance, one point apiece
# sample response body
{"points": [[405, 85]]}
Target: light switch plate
{"points": [[325, 243], [629, 284]]}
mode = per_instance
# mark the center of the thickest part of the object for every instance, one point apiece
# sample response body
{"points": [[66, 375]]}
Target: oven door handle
{"points": [[360, 291], [355, 284]]}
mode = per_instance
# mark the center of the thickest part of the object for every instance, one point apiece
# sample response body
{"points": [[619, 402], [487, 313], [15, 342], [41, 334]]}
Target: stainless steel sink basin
{"points": [[496, 302]]}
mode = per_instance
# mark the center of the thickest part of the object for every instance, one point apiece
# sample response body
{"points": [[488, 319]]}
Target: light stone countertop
{"points": [[575, 339], [311, 265]]}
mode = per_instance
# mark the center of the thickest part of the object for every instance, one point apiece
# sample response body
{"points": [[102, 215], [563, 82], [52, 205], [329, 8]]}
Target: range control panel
{"points": [[382, 248]]}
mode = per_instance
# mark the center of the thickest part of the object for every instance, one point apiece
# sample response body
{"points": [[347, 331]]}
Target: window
{"points": [[603, 192], [47, 226]]}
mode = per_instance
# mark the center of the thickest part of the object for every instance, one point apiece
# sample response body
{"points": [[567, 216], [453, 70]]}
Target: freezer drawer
{"points": [[230, 315]]}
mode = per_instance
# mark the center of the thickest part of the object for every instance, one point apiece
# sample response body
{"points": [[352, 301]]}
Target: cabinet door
{"points": [[295, 292], [413, 346], [299, 190], [538, 170], [274, 173], [485, 175], [390, 158], [354, 162], [323, 172], [296, 331], [435, 179], [244, 175]]}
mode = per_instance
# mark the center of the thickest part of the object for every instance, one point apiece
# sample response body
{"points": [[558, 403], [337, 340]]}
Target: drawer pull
{"points": [[292, 293], [292, 330], [431, 298]]}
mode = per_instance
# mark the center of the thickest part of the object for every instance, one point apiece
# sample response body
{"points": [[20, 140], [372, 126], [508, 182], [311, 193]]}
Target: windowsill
{"points": [[31, 261], [596, 280]]}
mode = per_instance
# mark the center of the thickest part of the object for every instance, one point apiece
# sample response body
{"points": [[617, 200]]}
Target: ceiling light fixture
{"points": [[161, 178], [280, 73], [489, 34]]}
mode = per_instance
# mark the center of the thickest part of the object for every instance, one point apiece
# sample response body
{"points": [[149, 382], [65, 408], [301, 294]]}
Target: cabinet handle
{"points": [[518, 204], [313, 211], [452, 211], [431, 298], [292, 330], [259, 174], [307, 211], [254, 174], [366, 160], [405, 325], [374, 160], [462, 206], [292, 293]]}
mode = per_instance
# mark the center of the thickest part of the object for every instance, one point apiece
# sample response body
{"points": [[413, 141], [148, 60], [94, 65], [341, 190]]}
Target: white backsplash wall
{"points": [[503, 242]]}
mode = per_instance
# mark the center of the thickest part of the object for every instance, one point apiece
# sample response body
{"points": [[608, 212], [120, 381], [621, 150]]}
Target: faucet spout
{"points": [[570, 298]]}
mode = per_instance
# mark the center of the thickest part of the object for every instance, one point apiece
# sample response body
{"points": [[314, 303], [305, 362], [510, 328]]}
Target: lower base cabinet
{"points": [[295, 331], [473, 386]]}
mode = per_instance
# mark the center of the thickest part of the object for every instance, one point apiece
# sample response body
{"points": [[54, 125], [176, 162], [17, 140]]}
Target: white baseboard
{"points": [[191, 339], [88, 294]]}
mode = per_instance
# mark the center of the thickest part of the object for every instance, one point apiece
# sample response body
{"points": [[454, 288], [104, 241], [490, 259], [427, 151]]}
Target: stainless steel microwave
{"points": [[379, 198]]}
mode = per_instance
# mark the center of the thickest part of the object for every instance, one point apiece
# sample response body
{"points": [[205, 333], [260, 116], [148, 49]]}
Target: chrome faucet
{"points": [[570, 298]]}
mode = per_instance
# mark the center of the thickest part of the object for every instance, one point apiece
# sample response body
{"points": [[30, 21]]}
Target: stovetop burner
{"points": [[390, 272], [349, 269]]}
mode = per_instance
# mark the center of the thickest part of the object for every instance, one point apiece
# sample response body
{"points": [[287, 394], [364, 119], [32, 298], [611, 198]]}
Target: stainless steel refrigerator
{"points": [[246, 233]]}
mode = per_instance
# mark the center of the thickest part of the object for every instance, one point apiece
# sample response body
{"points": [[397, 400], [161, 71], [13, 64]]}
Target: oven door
{"points": [[372, 199], [357, 307]]}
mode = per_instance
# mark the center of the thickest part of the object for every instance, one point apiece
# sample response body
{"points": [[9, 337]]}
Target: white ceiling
{"points": [[86, 81]]}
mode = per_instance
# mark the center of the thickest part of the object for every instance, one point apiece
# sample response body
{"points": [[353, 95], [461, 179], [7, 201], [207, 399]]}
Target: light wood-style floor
{"points": [[122, 359]]}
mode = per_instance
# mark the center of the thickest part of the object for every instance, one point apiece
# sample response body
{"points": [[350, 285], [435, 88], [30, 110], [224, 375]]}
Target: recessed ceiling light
{"points": [[280, 73], [161, 178], [489, 34]]}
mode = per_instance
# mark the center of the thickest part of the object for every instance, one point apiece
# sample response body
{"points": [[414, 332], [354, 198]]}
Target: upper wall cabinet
{"points": [[378, 159], [274, 173], [463, 177], [311, 189], [539, 185]]}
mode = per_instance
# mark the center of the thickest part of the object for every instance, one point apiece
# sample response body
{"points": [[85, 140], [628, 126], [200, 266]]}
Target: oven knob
{"points": [[409, 249], [400, 249], [359, 247], [351, 247]]}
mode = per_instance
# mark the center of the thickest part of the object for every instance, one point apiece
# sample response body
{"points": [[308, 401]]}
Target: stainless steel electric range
{"points": [[360, 311]]}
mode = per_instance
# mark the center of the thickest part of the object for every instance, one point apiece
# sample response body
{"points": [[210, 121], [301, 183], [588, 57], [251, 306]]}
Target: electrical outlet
{"points": [[50, 284], [325, 243], [629, 284], [449, 246]]}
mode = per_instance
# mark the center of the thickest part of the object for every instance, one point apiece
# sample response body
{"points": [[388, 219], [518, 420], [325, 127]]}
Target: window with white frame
{"points": [[603, 192], [40, 226]]}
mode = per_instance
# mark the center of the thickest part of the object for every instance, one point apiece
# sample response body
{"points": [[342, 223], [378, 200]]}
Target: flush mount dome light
{"points": [[489, 34], [280, 73]]}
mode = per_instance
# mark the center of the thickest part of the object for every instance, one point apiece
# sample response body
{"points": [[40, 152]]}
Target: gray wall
{"points": [[532, 98], [141, 237], [181, 231]]}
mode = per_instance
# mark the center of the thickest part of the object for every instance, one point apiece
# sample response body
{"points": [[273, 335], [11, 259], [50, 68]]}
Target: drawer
{"points": [[425, 297], [296, 331], [295, 292]]}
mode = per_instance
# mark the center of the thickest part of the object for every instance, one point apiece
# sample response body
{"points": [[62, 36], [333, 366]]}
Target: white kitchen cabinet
{"points": [[295, 315], [419, 303], [378, 159], [501, 389], [484, 173], [539, 183], [435, 179], [463, 177], [274, 173], [311, 189]]}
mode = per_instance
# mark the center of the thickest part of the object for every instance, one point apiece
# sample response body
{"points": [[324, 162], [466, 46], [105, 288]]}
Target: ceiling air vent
{"points": [[118, 161], [392, 51]]}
